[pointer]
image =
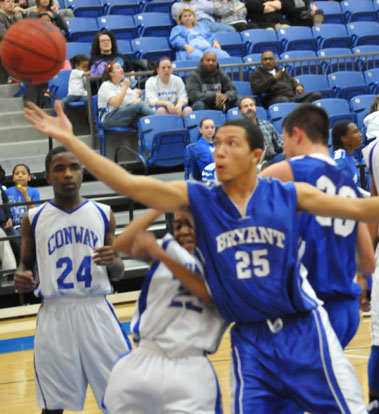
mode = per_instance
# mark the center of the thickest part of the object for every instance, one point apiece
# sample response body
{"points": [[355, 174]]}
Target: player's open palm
{"points": [[58, 126]]}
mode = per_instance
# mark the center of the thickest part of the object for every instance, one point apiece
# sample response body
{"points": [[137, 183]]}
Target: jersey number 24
{"points": [[82, 275]]}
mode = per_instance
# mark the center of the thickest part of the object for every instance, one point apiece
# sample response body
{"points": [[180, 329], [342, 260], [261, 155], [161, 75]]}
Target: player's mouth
{"points": [[187, 244], [69, 186]]}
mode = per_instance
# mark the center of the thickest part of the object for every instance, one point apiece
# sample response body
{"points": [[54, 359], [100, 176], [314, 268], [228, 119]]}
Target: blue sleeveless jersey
{"points": [[329, 254], [250, 262]]}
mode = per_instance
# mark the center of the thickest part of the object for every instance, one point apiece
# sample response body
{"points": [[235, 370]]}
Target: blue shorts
{"points": [[302, 362], [343, 314]]}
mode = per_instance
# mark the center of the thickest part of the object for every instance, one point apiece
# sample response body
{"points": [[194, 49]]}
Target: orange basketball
{"points": [[33, 51]]}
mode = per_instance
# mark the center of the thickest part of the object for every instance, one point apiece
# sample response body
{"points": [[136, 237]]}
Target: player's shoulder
{"points": [[35, 212]]}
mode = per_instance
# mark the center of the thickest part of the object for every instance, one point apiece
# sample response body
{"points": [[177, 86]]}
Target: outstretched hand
{"points": [[58, 127]]}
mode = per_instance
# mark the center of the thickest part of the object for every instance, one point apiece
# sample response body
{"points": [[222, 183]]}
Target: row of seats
{"points": [[349, 10], [96, 8]]}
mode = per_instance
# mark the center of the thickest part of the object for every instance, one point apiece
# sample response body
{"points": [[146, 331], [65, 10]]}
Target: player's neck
{"points": [[68, 203], [239, 190], [317, 149]]}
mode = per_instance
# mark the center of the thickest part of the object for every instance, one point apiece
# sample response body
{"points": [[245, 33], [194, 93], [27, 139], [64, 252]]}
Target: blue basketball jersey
{"points": [[250, 261], [329, 254]]}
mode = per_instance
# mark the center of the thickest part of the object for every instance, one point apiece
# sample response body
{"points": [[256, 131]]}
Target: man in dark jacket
{"points": [[277, 84], [209, 87]]}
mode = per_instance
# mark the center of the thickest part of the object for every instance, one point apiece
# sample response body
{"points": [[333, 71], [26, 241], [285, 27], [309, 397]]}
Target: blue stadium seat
{"points": [[360, 105], [76, 48], [161, 6], [125, 48], [296, 38], [347, 84], [243, 88], [191, 168], [183, 64], [125, 7], [364, 33], [259, 40], [333, 65], [193, 119], [82, 29], [315, 83], [372, 79], [162, 140], [277, 113], [375, 4], [332, 11], [122, 26], [86, 8], [331, 35], [234, 113], [337, 109], [367, 62], [358, 10], [231, 42], [153, 24], [233, 72], [301, 68], [101, 131], [151, 48]]}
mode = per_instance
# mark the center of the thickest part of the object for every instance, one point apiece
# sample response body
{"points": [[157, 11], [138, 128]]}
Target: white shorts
{"points": [[77, 342], [375, 305], [147, 381]]}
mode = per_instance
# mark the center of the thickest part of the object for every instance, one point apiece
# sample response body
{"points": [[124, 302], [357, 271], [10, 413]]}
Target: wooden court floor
{"points": [[17, 393]]}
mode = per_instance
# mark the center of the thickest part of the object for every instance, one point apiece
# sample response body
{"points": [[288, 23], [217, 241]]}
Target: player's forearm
{"points": [[116, 269], [190, 280], [365, 256], [123, 242]]}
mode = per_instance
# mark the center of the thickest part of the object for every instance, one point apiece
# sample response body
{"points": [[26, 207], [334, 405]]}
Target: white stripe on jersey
{"points": [[64, 249], [169, 315]]}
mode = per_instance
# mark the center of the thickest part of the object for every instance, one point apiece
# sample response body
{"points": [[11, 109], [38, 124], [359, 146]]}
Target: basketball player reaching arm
{"points": [[71, 240], [173, 331], [246, 231]]}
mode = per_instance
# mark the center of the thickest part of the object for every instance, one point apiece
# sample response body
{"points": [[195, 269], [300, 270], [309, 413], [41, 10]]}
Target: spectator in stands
{"points": [[191, 39], [67, 13], [277, 84], [272, 141], [299, 12], [346, 138], [76, 87], [104, 50], [124, 106], [21, 193], [204, 14], [267, 14], [209, 87], [47, 8], [165, 91], [204, 146], [318, 17], [8, 12], [232, 12]]}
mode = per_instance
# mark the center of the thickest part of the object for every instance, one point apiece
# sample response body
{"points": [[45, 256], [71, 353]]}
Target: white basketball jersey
{"points": [[64, 249], [169, 315]]}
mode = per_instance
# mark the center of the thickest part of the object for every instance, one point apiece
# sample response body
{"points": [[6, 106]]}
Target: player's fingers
{"points": [[37, 110], [58, 107]]}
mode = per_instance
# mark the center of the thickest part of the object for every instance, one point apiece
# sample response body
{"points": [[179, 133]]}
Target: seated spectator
{"points": [[318, 17], [104, 50], [76, 86], [66, 13], [192, 39], [267, 14], [346, 138], [165, 91], [8, 12], [299, 12], [232, 12], [124, 106], [209, 87], [204, 146], [47, 9], [275, 84], [204, 14], [272, 141]]}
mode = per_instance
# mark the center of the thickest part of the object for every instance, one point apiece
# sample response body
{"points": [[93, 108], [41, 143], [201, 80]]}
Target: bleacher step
{"points": [[9, 91], [9, 105]]}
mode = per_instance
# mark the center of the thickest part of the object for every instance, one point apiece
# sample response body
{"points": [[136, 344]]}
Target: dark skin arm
{"points": [[107, 256], [23, 278]]}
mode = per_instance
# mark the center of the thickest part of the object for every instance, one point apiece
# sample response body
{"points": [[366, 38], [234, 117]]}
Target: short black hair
{"points": [[78, 59], [206, 119], [312, 119], [253, 134], [339, 130], [51, 153], [21, 165]]}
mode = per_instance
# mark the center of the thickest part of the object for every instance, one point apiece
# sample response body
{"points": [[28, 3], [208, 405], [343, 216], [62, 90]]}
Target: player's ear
{"points": [[297, 133], [257, 153], [47, 177]]}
